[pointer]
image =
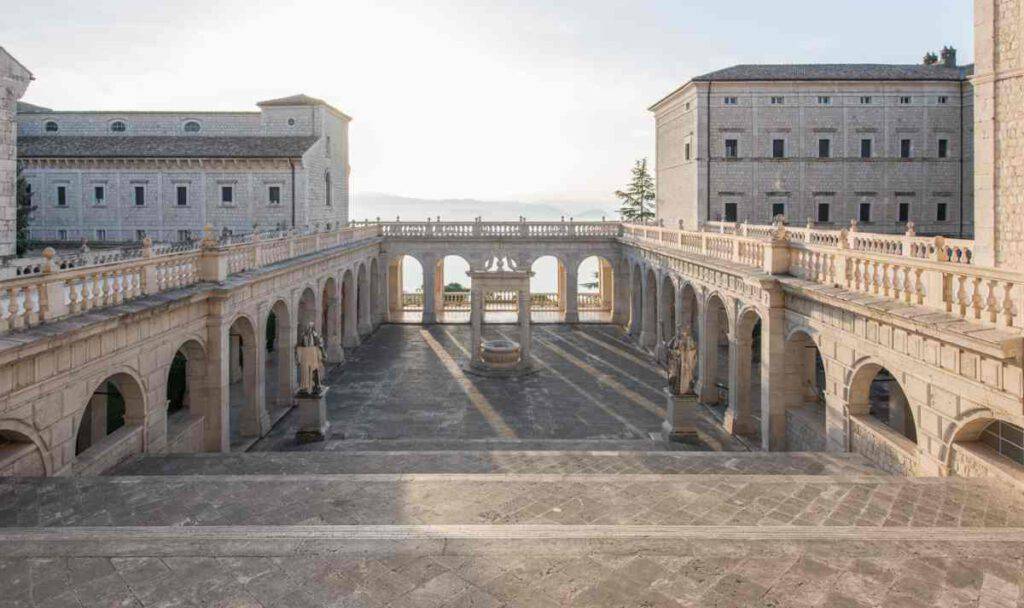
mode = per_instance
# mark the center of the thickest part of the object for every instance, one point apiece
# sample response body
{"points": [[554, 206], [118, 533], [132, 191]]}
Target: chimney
{"points": [[948, 56]]}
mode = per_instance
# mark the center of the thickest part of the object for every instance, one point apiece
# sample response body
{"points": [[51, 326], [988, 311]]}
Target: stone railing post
{"points": [[776, 253], [907, 246], [478, 227], [150, 284], [842, 260], [52, 304], [213, 261], [703, 243]]}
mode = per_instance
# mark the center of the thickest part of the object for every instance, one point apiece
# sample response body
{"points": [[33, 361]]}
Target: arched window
{"points": [[1005, 438], [118, 126], [327, 187], [50, 126], [192, 127]]}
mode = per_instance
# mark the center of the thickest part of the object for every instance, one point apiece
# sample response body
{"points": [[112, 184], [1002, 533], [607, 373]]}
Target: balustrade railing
{"points": [[443, 230]]}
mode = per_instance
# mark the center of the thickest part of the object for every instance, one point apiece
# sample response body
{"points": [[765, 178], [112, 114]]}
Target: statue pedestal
{"points": [[680, 418], [313, 423]]}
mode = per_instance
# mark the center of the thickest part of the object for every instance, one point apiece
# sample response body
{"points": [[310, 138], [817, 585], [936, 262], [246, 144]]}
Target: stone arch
{"points": [[330, 319], [989, 445], [110, 427], [543, 298], [454, 300], [349, 309], [881, 422], [306, 311], [667, 313], [187, 395], [744, 414], [689, 309], [247, 417], [714, 350], [595, 287], [279, 372], [649, 316], [363, 322], [22, 452], [803, 390]]}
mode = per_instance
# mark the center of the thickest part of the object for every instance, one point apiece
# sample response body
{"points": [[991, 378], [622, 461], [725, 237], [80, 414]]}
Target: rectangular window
{"points": [[183, 235], [904, 212], [182, 194], [865, 100], [778, 101], [274, 194], [823, 212], [730, 101], [98, 194], [824, 100], [227, 194], [824, 148], [943, 99], [101, 235], [140, 234], [865, 212], [686, 151], [732, 148], [940, 212], [62, 196], [140, 195], [62, 235], [778, 209], [905, 148], [730, 212], [865, 148], [943, 148], [778, 148], [905, 101]]}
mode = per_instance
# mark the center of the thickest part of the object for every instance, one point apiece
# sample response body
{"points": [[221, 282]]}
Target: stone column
{"points": [[525, 336], [707, 357], [739, 418], [649, 328], [572, 304], [216, 410], [636, 306], [439, 302], [395, 287], [333, 350], [285, 346], [476, 319], [350, 335], [365, 321], [429, 294], [605, 283], [773, 381], [562, 301]]}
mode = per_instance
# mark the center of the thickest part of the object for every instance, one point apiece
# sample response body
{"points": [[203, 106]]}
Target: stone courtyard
{"points": [[438, 488]]}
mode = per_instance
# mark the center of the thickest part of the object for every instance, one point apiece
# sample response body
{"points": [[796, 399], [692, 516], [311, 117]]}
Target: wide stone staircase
{"points": [[493, 523]]}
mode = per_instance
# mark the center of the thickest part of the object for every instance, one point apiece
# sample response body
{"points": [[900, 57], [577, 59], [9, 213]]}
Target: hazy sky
{"points": [[533, 100]]}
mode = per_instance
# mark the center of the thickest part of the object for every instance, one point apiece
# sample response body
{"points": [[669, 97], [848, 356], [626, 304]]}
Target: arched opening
{"points": [[667, 309], [405, 289], [375, 296], [110, 429], [636, 304], [349, 312], [804, 390], [714, 345], [881, 421], [649, 317], [991, 448], [279, 374], [363, 322], [246, 416], [742, 356], [595, 289], [20, 456], [306, 312], [453, 288], [547, 291], [186, 388], [330, 320]]}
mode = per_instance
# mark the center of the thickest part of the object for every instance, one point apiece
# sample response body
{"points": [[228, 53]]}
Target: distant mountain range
{"points": [[370, 205]]}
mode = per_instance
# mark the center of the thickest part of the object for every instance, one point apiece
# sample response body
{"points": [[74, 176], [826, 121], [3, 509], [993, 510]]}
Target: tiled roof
{"points": [[24, 107], [299, 100], [60, 146], [835, 71]]}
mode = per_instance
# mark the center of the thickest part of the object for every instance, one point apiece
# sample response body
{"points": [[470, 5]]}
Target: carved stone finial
{"points": [[209, 238], [85, 246], [853, 225], [810, 223], [48, 255], [911, 231]]}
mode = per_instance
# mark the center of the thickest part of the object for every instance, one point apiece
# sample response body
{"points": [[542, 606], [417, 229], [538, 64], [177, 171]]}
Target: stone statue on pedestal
{"points": [[310, 356], [682, 364]]}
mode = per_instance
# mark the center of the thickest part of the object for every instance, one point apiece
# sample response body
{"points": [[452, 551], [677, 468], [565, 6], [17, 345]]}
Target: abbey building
{"points": [[124, 176]]}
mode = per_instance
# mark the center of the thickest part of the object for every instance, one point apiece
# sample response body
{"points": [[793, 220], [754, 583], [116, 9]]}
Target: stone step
{"points": [[508, 499], [499, 461]]}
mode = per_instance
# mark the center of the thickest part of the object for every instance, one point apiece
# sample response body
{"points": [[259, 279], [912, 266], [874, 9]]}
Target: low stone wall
{"points": [[881, 445], [110, 451], [975, 459], [20, 460], [805, 428], [184, 432]]}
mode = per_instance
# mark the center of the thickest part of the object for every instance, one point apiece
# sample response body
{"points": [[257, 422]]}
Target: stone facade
{"points": [[286, 165], [999, 162], [741, 180], [14, 79]]}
